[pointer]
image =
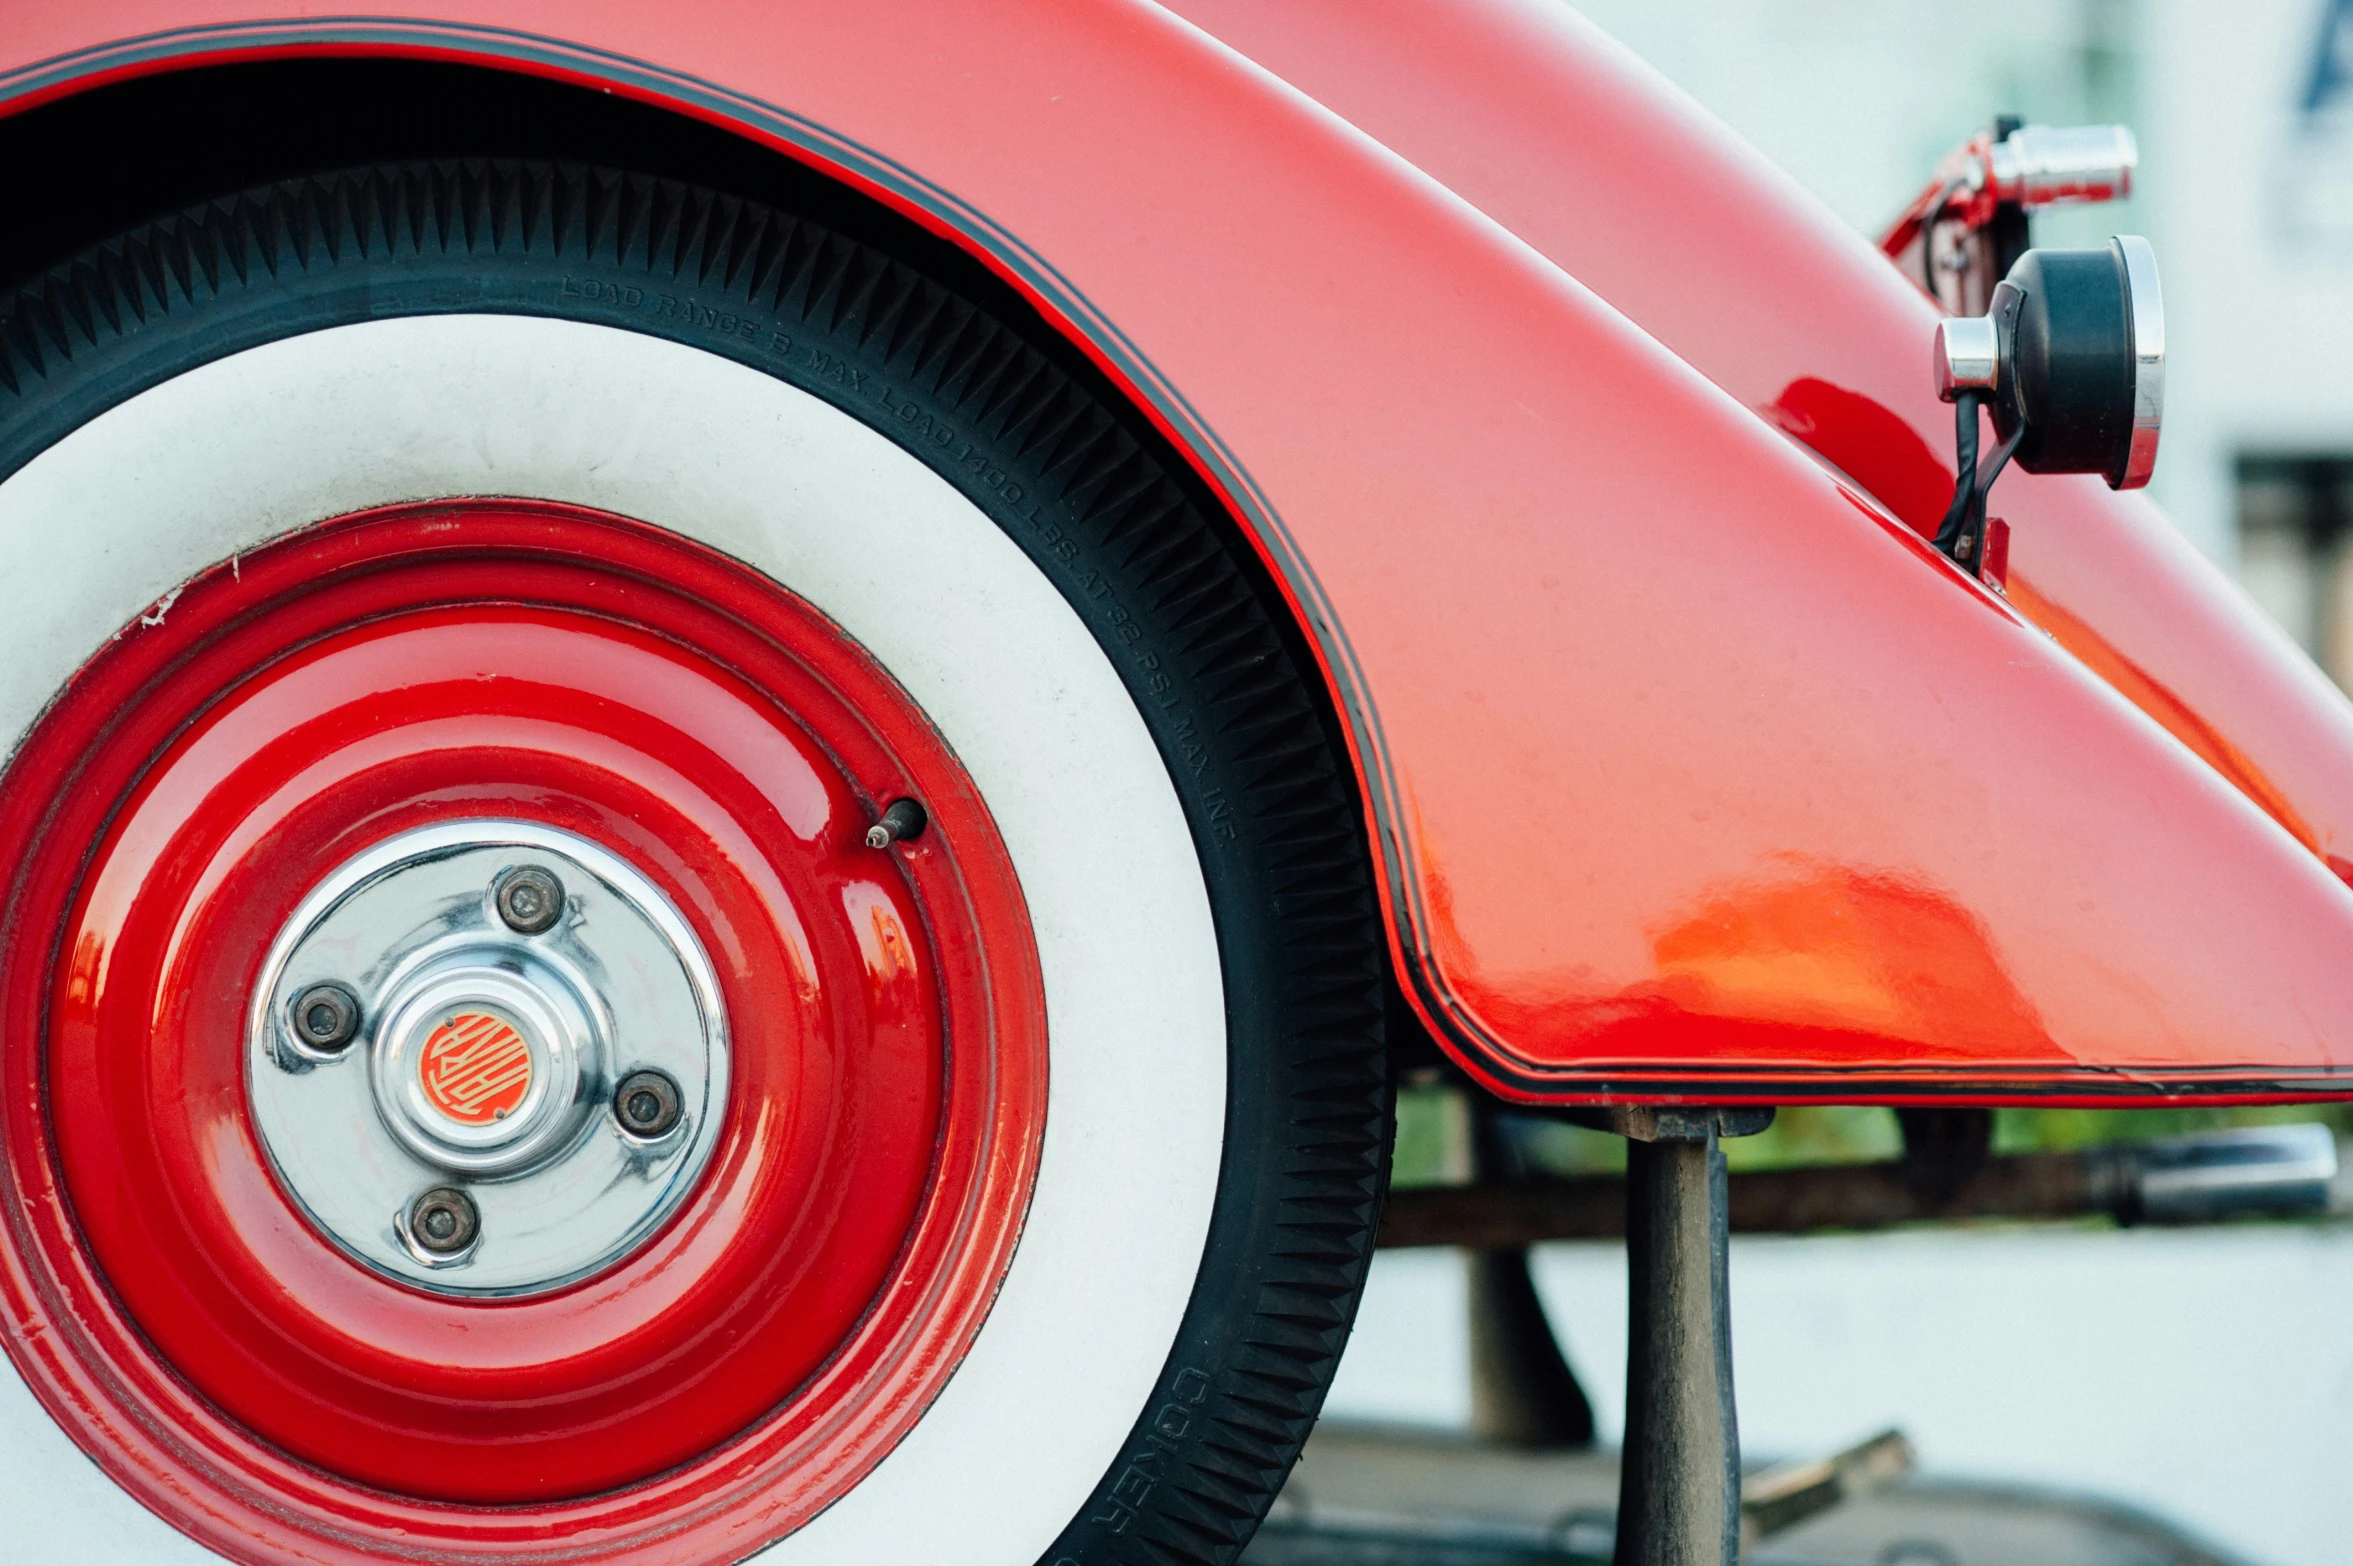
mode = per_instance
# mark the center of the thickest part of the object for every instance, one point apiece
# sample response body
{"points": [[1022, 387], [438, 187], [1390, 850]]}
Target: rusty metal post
{"points": [[1679, 1482]]}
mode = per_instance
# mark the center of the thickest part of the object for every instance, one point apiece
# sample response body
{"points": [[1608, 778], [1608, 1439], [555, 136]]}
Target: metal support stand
{"points": [[1679, 1483]]}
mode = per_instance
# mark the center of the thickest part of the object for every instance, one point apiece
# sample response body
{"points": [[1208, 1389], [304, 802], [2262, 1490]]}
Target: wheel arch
{"points": [[112, 128]]}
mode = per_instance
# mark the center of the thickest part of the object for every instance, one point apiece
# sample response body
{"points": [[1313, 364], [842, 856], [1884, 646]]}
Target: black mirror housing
{"points": [[2074, 370]]}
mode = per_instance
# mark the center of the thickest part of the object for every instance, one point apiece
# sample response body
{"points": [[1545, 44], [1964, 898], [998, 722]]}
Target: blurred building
{"points": [[2245, 117]]}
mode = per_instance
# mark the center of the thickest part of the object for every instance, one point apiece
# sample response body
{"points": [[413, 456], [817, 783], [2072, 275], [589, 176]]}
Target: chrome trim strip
{"points": [[2145, 314]]}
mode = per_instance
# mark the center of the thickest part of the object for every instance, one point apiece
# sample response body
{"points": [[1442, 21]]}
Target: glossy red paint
{"points": [[1545, 124], [719, 1386], [1693, 774]]}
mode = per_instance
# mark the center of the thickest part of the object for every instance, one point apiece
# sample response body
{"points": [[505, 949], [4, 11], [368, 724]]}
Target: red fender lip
{"points": [[1692, 777]]}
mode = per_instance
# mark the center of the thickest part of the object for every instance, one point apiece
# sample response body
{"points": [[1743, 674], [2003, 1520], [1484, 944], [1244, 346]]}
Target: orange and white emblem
{"points": [[475, 1068]]}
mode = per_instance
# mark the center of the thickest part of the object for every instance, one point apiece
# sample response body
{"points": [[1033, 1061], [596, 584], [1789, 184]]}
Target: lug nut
{"points": [[325, 1016], [646, 1104], [529, 899], [902, 822], [444, 1221]]}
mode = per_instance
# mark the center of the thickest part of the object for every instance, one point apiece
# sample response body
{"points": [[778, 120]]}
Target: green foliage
{"points": [[1818, 1134], [2051, 1130], [1433, 1137], [1433, 1128]]}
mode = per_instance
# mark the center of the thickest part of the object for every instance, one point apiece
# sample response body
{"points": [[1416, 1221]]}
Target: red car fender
{"points": [[1533, 115], [1693, 773]]}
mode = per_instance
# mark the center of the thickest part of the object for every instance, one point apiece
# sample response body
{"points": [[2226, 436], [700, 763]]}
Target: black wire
{"points": [[1965, 490], [1998, 461], [1944, 198], [1974, 533]]}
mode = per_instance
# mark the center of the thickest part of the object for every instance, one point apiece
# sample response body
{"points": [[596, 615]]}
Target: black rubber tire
{"points": [[1121, 532]]}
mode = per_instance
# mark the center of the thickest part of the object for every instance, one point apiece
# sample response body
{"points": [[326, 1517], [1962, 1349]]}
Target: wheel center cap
{"points": [[456, 1029], [483, 1050]]}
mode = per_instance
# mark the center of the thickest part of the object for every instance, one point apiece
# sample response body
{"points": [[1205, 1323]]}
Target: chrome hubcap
{"points": [[521, 995]]}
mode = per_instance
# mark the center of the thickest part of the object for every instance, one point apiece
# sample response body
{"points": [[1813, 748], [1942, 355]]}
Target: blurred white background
{"points": [[2204, 1374], [2245, 116]]}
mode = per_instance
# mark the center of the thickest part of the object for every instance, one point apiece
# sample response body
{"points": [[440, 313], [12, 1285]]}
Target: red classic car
{"points": [[743, 738]]}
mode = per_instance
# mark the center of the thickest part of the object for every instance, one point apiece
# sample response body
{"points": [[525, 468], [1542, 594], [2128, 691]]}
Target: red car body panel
{"points": [[1694, 772], [1548, 126]]}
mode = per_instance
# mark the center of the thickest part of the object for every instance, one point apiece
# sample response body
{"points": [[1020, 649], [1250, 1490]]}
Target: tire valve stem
{"points": [[903, 822]]}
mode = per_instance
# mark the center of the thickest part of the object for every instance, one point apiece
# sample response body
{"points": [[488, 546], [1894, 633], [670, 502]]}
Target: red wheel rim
{"points": [[755, 1358]]}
